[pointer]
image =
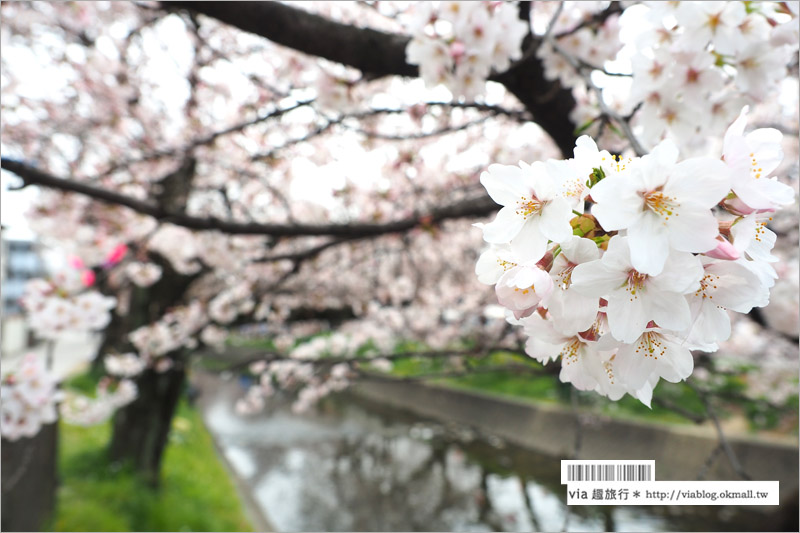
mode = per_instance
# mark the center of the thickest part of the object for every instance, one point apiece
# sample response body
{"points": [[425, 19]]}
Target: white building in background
{"points": [[19, 261]]}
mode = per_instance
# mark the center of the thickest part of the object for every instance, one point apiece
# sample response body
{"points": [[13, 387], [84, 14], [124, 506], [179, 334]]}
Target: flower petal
{"points": [[693, 230], [649, 244], [682, 274], [554, 220], [670, 310], [701, 180], [627, 317], [506, 225], [596, 279], [617, 204], [504, 183]]}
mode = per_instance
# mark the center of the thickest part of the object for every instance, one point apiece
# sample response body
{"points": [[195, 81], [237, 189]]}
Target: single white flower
{"points": [[494, 262], [752, 158], [725, 285], [523, 288], [572, 311], [532, 210], [655, 353], [143, 274], [635, 298], [711, 21], [664, 205]]}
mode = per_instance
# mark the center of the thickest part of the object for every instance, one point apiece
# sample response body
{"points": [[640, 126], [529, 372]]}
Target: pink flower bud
{"points": [[724, 250], [76, 262], [457, 50], [738, 207], [116, 255], [88, 277], [526, 312]]}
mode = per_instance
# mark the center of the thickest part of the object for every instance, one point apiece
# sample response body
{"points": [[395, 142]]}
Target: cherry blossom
{"points": [[655, 353], [636, 298], [571, 310], [668, 254], [752, 158], [29, 398], [143, 274], [124, 365], [479, 37], [58, 306], [664, 205], [532, 211], [274, 133], [82, 410], [725, 285]]}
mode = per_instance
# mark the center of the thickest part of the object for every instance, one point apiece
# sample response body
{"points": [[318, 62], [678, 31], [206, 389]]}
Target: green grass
{"points": [[195, 494], [548, 389], [729, 388]]}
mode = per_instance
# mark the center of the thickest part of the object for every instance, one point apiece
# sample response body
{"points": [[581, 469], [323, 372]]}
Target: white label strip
{"points": [[673, 493], [607, 470]]}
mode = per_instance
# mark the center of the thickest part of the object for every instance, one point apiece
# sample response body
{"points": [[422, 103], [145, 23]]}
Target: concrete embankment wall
{"points": [[680, 452]]}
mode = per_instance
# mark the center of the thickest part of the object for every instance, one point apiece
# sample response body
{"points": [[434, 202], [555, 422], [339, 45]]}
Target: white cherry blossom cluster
{"points": [[230, 303], [176, 329], [29, 396], [300, 374], [697, 63], [54, 307], [686, 67], [591, 46], [143, 274], [82, 410], [458, 44], [126, 365], [622, 295]]}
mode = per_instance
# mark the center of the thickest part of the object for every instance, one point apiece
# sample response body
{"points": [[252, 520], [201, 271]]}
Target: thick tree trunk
{"points": [[141, 428], [29, 480]]}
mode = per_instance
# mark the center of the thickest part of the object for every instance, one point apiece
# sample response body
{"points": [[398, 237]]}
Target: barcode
{"points": [[576, 471]]}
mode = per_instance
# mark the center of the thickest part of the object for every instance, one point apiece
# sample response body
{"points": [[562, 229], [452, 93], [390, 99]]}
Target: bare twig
{"points": [[202, 141], [723, 440], [594, 20], [467, 208], [585, 72], [257, 356], [708, 462]]}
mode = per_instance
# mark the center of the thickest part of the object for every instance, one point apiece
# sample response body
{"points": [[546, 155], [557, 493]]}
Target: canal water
{"points": [[353, 465]]}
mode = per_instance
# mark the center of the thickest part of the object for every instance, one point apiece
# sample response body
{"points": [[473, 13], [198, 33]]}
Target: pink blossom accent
{"points": [[116, 254], [88, 277], [457, 50], [738, 207], [724, 250], [76, 262]]}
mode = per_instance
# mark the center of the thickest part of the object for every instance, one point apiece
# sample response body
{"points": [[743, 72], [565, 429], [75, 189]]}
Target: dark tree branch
{"points": [[469, 208], [723, 440], [305, 254], [419, 135], [204, 140], [378, 53], [598, 19], [244, 357], [329, 123], [371, 51]]}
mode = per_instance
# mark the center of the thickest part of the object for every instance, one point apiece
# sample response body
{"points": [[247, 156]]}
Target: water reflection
{"points": [[356, 466]]}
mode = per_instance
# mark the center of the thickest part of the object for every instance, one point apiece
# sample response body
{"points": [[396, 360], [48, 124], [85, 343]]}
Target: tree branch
{"points": [[469, 208], [378, 54], [244, 357], [375, 52], [723, 441]]}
